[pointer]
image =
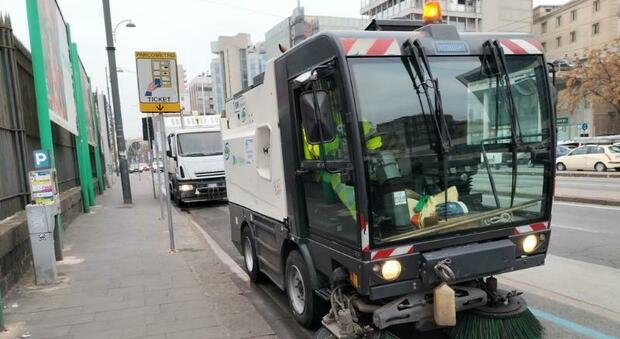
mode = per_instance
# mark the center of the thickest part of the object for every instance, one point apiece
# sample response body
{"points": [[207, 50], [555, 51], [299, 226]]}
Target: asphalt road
{"points": [[586, 233], [590, 184]]}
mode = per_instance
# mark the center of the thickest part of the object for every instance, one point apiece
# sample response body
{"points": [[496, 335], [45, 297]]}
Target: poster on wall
{"points": [[60, 98], [88, 105]]}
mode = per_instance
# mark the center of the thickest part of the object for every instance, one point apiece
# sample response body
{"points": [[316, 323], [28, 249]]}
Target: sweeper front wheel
{"points": [[510, 320]]}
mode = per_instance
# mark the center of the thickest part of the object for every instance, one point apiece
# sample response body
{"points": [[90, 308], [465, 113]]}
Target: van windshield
{"points": [[411, 192], [200, 144]]}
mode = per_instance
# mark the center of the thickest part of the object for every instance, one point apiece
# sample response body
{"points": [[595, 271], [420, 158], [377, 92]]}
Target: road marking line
{"points": [[220, 253], [604, 207], [582, 229], [572, 326]]}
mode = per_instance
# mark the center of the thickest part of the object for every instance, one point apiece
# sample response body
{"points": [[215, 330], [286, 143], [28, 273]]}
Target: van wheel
{"points": [[301, 297], [600, 167], [250, 259], [560, 166]]}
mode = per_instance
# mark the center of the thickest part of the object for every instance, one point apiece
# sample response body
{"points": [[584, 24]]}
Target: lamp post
{"points": [[129, 24], [118, 118]]}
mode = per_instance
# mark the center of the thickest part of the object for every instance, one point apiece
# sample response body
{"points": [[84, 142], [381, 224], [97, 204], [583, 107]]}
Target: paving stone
{"points": [[119, 281]]}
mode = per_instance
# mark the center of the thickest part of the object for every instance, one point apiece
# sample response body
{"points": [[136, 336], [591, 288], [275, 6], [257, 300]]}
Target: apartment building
{"points": [[201, 97], [567, 31], [466, 15], [300, 26], [238, 61]]}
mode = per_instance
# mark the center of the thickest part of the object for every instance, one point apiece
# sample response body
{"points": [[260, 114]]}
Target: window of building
{"points": [[543, 27], [558, 20], [573, 36], [596, 5], [596, 28], [558, 41], [573, 15]]}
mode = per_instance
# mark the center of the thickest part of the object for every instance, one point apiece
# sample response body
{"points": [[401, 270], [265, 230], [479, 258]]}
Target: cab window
{"points": [[328, 179]]}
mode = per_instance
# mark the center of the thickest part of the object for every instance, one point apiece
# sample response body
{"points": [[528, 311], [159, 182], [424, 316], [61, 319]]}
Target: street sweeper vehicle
{"points": [[359, 179]]}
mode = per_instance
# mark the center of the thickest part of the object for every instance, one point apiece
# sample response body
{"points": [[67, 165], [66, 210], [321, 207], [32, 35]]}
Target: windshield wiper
{"points": [[422, 68], [495, 61]]}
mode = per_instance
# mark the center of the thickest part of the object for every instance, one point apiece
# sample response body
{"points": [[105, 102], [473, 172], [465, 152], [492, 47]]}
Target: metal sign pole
{"points": [[167, 186], [159, 153], [148, 135]]}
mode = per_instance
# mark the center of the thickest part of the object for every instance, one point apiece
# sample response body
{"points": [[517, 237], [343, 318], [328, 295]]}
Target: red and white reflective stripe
{"points": [[530, 228], [372, 47], [521, 46], [364, 233], [391, 252]]}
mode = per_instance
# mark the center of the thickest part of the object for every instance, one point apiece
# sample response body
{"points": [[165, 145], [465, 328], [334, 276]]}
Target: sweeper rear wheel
{"points": [[509, 320]]}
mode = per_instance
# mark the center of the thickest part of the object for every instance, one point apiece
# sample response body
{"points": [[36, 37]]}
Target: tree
{"points": [[598, 79]]}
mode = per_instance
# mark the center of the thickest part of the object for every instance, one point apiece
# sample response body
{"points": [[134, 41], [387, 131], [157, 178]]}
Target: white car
{"points": [[590, 157]]}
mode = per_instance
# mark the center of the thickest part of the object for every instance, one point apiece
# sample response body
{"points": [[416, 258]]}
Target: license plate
{"points": [[211, 185]]}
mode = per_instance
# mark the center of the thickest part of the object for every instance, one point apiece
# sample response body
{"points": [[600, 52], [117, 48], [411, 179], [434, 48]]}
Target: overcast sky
{"points": [[184, 26]]}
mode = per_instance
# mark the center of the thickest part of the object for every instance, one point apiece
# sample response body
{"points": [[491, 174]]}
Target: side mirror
{"points": [[316, 119]]}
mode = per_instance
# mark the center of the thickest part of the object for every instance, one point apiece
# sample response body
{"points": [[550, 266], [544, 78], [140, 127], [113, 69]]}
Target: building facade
{"points": [[567, 31], [299, 26], [201, 97], [183, 92], [237, 63], [218, 85], [467, 15]]}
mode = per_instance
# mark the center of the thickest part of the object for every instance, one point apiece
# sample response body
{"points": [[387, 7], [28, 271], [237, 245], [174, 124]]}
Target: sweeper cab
{"points": [[359, 178]]}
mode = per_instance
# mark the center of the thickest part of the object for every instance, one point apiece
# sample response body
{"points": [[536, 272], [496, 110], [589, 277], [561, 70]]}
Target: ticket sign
{"points": [[43, 188], [158, 82]]}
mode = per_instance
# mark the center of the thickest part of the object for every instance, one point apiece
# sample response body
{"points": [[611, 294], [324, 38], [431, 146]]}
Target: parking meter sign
{"points": [[41, 159]]}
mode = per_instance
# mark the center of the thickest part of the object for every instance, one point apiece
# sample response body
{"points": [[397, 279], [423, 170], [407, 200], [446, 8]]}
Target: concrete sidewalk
{"points": [[119, 281]]}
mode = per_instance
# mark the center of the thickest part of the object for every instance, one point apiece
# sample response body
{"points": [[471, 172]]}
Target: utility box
{"points": [[41, 222]]}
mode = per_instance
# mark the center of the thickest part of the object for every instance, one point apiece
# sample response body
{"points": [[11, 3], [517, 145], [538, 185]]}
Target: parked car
{"points": [[562, 151], [591, 157], [144, 167], [134, 168]]}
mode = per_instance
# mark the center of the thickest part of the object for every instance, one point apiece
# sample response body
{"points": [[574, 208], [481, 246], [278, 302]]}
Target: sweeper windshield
{"points": [[456, 154]]}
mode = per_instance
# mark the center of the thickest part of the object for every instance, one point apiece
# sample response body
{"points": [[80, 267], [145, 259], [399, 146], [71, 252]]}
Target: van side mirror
{"points": [[316, 119]]}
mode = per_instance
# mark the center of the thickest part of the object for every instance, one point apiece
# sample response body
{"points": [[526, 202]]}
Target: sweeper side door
{"points": [[325, 172]]}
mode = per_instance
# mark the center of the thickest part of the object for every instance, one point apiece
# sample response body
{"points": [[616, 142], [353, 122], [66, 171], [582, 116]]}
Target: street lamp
{"points": [[118, 118], [127, 22]]}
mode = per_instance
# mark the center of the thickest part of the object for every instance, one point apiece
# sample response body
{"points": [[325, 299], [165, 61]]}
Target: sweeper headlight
{"points": [[530, 243], [388, 270]]}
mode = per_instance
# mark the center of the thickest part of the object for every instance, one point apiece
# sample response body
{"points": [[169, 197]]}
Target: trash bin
{"points": [[41, 222]]}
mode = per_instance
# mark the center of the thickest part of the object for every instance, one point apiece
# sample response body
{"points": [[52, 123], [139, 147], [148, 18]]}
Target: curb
{"points": [[588, 175], [592, 201]]}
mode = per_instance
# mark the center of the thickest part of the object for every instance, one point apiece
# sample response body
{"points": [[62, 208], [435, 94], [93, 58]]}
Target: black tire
{"points": [[560, 166], [254, 271], [311, 314], [600, 167]]}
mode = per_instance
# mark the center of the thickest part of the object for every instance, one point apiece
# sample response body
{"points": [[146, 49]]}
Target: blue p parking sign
{"points": [[41, 159]]}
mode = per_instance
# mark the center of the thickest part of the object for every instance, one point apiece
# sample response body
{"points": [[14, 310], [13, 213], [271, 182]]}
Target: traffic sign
{"points": [[41, 159], [561, 120], [158, 82], [584, 126]]}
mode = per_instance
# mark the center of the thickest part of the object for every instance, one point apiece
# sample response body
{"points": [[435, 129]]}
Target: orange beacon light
{"points": [[432, 12]]}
